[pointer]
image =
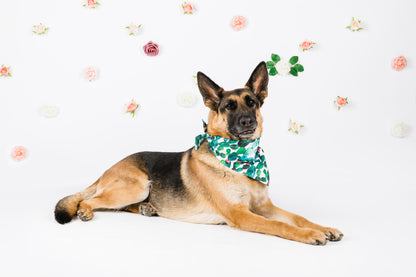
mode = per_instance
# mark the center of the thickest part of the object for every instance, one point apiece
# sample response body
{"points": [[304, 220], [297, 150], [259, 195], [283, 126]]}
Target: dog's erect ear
{"points": [[258, 82], [210, 91]]}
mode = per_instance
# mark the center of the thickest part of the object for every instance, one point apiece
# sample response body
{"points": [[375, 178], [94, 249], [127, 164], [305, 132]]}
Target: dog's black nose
{"points": [[246, 121]]}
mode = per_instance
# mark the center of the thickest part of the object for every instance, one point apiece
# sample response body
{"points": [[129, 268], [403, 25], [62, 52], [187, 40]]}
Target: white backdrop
{"points": [[344, 166]]}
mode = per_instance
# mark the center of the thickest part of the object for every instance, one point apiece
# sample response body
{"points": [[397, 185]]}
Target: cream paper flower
{"points": [[186, 99], [49, 111], [399, 130]]}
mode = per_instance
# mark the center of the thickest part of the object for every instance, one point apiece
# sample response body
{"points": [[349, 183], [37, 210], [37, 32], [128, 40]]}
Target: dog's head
{"points": [[235, 114]]}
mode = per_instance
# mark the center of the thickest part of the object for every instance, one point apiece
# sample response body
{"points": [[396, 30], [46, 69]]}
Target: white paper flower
{"points": [[40, 29], [355, 25], [186, 99], [133, 29], [399, 130], [295, 127], [283, 67], [49, 111]]}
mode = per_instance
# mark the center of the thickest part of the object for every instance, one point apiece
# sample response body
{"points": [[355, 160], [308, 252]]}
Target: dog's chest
{"points": [[225, 183], [240, 189]]}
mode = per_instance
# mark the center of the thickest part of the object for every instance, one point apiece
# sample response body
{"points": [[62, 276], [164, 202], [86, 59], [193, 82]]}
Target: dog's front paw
{"points": [[85, 215], [315, 237], [332, 234]]}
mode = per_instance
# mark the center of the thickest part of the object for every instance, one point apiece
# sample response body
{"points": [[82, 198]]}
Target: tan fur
{"points": [[121, 185], [217, 124]]}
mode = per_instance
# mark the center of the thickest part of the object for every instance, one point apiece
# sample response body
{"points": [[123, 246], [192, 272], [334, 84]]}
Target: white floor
{"points": [[379, 240]]}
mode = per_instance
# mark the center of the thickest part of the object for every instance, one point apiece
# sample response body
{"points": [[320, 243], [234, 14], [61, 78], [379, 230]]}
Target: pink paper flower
{"points": [[151, 49], [238, 22], [91, 73], [306, 45], [91, 4], [132, 107], [341, 102], [188, 8], [5, 71], [399, 63], [19, 153]]}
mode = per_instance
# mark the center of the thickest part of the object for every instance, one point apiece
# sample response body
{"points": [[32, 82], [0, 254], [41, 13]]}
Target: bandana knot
{"points": [[244, 156]]}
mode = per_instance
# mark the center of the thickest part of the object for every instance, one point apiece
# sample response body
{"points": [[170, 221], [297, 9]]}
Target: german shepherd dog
{"points": [[194, 186]]}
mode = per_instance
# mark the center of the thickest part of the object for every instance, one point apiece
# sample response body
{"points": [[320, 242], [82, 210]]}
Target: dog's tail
{"points": [[67, 207]]}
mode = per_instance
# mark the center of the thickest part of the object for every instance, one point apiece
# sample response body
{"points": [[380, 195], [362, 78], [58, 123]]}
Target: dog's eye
{"points": [[250, 102], [231, 105]]}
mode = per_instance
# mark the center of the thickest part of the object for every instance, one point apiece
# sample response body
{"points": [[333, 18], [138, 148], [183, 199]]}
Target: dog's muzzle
{"points": [[246, 126]]}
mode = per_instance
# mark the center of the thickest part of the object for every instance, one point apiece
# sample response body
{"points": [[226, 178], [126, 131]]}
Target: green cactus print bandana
{"points": [[244, 156]]}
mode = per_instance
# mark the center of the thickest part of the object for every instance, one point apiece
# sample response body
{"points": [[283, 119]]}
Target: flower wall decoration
{"points": [[306, 45], [238, 22], [49, 111], [132, 106], [277, 66], [399, 130], [399, 63], [40, 29], [294, 127], [91, 4], [19, 153], [355, 25], [186, 99], [5, 71], [341, 102], [188, 8], [133, 29], [151, 49], [91, 73]]}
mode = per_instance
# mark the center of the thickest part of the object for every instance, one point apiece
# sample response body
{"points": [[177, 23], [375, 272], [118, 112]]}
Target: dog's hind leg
{"points": [[67, 207], [143, 208], [122, 185]]}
